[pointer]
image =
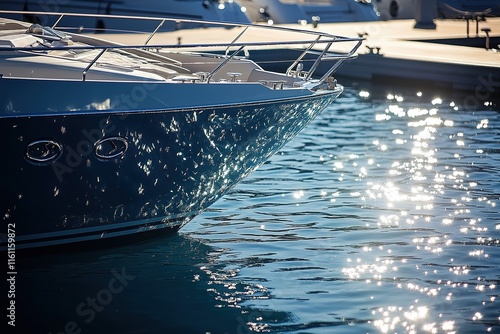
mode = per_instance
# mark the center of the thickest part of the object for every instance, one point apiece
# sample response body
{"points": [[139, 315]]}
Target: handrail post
{"points": [[211, 74], [234, 40], [289, 69], [350, 55], [84, 74], [57, 21], [318, 60], [154, 32]]}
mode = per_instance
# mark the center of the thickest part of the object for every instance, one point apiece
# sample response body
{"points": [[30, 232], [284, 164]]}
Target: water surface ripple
{"points": [[381, 217]]}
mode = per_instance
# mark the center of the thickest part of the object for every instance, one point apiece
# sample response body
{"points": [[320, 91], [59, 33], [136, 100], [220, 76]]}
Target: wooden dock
{"points": [[393, 50]]}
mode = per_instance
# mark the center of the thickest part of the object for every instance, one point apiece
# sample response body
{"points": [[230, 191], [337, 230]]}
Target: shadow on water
{"points": [[169, 285], [379, 87]]}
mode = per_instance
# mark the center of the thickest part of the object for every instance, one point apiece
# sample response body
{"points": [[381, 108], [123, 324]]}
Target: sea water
{"points": [[380, 217]]}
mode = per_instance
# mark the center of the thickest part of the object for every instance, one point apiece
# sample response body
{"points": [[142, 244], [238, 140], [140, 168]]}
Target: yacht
{"points": [[205, 10], [108, 140], [309, 11]]}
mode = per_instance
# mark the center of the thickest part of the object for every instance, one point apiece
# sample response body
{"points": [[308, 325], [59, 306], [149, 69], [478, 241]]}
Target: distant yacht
{"points": [[309, 11], [207, 10], [405, 9]]}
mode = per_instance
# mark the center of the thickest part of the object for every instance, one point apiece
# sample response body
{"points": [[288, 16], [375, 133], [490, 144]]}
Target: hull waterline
{"points": [[82, 176]]}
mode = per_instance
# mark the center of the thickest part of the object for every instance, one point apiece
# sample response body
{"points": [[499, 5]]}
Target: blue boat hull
{"points": [[90, 175]]}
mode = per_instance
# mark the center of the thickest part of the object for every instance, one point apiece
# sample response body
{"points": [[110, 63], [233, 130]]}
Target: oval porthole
{"points": [[43, 152], [110, 148]]}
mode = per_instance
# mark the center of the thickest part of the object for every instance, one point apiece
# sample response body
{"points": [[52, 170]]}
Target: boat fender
{"points": [[394, 9]]}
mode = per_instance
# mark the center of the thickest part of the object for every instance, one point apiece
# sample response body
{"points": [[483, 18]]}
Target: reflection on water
{"points": [[380, 217], [170, 285]]}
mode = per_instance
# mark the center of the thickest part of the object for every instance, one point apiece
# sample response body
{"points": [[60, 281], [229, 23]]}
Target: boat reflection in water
{"points": [[106, 140], [147, 287]]}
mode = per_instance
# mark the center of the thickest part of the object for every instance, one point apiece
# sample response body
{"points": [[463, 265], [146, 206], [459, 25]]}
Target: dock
{"points": [[450, 56], [444, 56]]}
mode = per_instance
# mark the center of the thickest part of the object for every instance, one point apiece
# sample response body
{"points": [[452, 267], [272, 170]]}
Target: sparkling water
{"points": [[380, 217]]}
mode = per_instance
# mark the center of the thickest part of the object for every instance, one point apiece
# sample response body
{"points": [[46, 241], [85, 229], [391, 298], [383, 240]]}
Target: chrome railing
{"points": [[313, 43]]}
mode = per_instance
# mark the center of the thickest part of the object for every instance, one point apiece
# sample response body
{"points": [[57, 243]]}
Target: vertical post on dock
{"points": [[425, 13], [487, 32]]}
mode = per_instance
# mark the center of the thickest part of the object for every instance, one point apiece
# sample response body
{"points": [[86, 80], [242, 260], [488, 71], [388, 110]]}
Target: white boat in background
{"points": [[309, 11], [105, 140], [206, 10]]}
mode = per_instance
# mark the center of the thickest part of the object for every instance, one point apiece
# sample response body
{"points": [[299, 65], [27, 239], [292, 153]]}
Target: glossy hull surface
{"points": [[88, 165]]}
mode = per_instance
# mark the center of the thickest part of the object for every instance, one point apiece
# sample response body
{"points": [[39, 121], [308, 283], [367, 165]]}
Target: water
{"points": [[381, 217]]}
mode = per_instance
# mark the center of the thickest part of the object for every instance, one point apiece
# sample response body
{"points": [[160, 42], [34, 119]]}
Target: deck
{"points": [[444, 56]]}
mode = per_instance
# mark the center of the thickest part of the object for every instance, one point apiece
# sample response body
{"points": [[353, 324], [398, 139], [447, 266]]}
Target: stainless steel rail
{"points": [[310, 46]]}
